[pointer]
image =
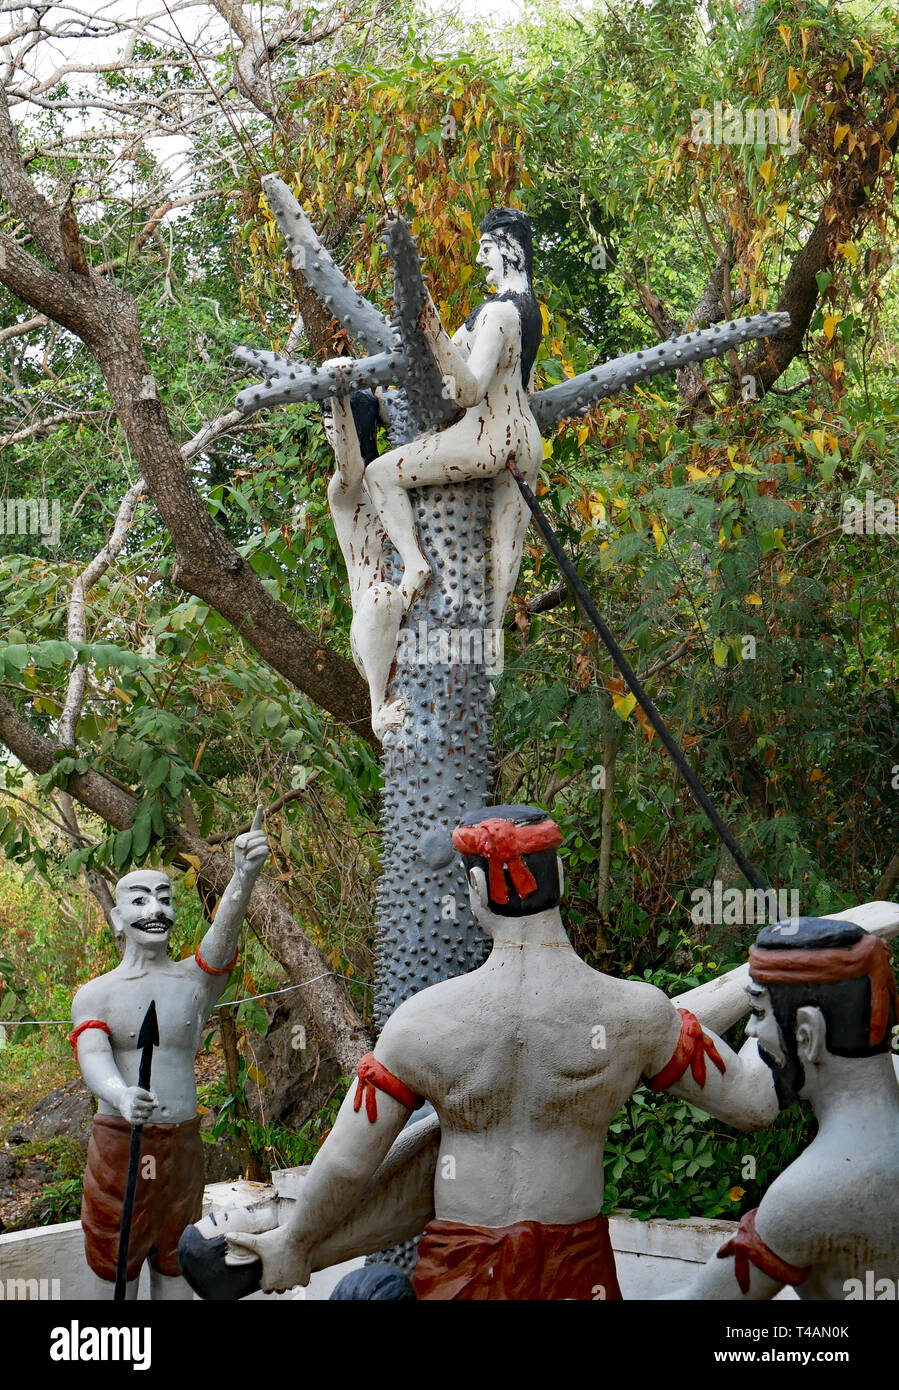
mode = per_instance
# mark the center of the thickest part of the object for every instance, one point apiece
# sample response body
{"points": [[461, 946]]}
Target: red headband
{"points": [[868, 956], [502, 844]]}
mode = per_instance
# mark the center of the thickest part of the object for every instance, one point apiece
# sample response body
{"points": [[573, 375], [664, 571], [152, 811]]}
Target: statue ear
{"points": [[477, 882], [811, 1034], [118, 925]]}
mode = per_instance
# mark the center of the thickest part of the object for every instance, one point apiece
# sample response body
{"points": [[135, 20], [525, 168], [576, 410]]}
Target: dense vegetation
{"points": [[704, 513]]}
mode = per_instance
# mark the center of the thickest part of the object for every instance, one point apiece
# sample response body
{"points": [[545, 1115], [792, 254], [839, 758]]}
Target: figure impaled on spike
{"points": [[351, 429]]}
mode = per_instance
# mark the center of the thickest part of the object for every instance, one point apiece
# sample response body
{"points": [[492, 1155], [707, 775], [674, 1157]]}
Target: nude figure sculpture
{"points": [[526, 1061], [106, 1018]]}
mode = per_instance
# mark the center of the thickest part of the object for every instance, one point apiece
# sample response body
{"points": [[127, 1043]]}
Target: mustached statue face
{"points": [[762, 1025], [490, 257], [330, 428], [144, 910]]}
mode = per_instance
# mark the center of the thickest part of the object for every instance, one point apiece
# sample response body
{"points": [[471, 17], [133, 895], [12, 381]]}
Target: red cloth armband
{"points": [[82, 1027], [210, 969], [373, 1077], [693, 1046], [747, 1247]]}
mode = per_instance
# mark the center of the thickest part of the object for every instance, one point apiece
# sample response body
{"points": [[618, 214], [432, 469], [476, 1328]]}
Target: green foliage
{"points": [[711, 538], [272, 1144]]}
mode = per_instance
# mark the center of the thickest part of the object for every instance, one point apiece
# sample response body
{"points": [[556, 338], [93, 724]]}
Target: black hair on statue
{"points": [[845, 1004], [364, 409], [543, 864], [510, 224]]}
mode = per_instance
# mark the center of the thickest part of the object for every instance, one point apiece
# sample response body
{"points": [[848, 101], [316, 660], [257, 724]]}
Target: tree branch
{"points": [[266, 913]]}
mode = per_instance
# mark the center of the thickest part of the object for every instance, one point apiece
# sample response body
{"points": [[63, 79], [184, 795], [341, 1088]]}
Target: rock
{"points": [[298, 1074], [221, 1159], [68, 1111]]}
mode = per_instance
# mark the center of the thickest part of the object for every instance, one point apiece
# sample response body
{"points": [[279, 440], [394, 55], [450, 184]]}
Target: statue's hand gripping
{"points": [[285, 1261]]}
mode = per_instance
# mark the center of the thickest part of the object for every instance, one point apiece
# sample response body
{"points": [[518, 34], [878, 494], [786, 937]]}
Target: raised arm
{"points": [[219, 946], [471, 374]]}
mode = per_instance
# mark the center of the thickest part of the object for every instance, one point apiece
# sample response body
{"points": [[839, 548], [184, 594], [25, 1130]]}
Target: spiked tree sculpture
{"points": [[436, 757]]}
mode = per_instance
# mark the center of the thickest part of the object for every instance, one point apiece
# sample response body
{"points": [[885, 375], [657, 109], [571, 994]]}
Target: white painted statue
{"points": [[526, 1061], [823, 1016], [487, 368], [106, 1016]]}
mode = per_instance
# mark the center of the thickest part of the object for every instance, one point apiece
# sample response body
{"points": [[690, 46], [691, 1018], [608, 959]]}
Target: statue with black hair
{"points": [[526, 1062], [487, 367], [823, 1014]]}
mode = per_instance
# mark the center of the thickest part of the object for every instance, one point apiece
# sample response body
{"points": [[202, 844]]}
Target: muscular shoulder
{"points": [[658, 1021], [91, 1000], [420, 1025]]}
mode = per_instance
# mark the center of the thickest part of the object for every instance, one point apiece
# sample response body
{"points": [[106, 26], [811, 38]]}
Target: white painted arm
{"points": [[717, 1281], [743, 1095], [250, 853], [336, 1182], [98, 1067], [471, 375], [721, 1002]]}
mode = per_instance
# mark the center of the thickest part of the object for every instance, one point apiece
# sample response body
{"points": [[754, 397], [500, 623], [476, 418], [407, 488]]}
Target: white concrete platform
{"points": [[653, 1257]]}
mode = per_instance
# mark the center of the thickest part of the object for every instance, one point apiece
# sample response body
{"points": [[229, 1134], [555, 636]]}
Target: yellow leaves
{"points": [[191, 859], [458, 110], [659, 532], [784, 578], [544, 314], [766, 169], [786, 34], [816, 775], [830, 324], [843, 69], [755, 600], [849, 251], [623, 705], [583, 435], [465, 274], [255, 1074], [736, 1193], [547, 448], [122, 695], [465, 219], [839, 135], [793, 79]]}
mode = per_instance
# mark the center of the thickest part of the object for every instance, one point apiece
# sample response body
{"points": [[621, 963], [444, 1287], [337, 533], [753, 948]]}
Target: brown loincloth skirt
{"points": [[524, 1261], [163, 1205]]}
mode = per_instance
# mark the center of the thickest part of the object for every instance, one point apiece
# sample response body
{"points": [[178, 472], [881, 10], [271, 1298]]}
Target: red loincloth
{"points": [[524, 1261], [163, 1205]]}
